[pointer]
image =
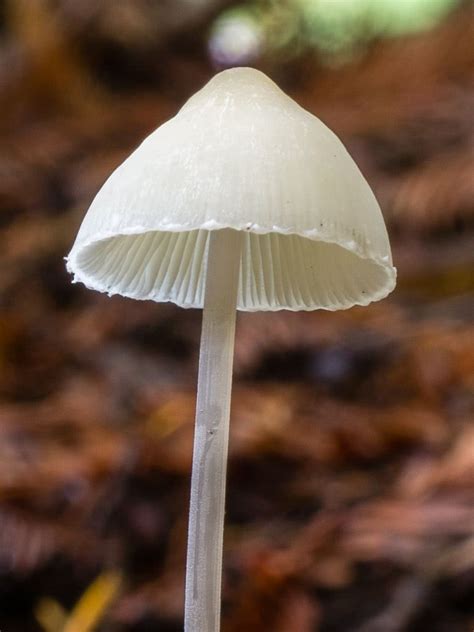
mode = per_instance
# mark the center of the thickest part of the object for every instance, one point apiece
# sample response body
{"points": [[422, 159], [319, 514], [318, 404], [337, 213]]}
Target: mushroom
{"points": [[243, 200]]}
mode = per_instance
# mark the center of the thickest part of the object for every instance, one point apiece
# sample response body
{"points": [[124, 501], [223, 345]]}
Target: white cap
{"points": [[239, 154]]}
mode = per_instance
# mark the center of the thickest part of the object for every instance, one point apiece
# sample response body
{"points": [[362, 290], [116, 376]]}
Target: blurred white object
{"points": [[236, 39]]}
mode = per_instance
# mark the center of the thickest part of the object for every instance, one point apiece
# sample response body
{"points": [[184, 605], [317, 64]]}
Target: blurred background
{"points": [[350, 500]]}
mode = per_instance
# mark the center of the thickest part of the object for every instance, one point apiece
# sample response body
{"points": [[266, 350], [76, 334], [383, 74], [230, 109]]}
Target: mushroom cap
{"points": [[239, 154]]}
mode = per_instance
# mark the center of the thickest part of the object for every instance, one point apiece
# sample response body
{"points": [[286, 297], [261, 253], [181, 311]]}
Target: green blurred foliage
{"points": [[337, 29]]}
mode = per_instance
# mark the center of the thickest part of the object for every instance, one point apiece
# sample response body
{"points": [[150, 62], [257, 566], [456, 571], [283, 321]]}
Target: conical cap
{"points": [[239, 154]]}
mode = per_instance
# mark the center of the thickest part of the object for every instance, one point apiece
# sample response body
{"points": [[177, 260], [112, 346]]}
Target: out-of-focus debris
{"points": [[88, 611], [51, 615], [49, 68]]}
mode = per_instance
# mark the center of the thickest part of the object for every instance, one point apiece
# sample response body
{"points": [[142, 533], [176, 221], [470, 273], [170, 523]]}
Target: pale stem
{"points": [[211, 435]]}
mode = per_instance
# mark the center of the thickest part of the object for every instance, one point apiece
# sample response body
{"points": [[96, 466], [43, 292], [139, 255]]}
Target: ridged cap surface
{"points": [[239, 154]]}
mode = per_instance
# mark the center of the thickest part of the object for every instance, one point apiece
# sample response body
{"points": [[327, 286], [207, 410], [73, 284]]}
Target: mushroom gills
{"points": [[278, 270]]}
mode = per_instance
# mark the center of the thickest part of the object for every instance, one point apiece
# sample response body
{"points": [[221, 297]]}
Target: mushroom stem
{"points": [[206, 515]]}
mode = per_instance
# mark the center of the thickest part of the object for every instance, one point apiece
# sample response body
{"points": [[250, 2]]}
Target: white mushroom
{"points": [[242, 200]]}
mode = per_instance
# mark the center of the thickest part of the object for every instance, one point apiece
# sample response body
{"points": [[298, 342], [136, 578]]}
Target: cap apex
{"points": [[237, 85], [241, 74]]}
